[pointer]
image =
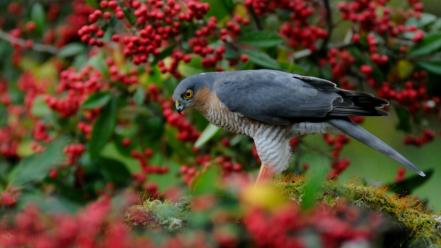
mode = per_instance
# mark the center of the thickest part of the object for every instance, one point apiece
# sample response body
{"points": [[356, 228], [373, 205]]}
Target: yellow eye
{"points": [[188, 94]]}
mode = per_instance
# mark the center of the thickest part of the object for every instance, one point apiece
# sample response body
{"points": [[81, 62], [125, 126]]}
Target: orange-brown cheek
{"points": [[201, 99]]}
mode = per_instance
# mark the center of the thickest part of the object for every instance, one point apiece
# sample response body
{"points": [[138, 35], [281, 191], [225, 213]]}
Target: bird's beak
{"points": [[179, 106]]}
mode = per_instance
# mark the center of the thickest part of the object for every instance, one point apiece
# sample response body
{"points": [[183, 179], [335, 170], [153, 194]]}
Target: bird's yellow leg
{"points": [[265, 174]]}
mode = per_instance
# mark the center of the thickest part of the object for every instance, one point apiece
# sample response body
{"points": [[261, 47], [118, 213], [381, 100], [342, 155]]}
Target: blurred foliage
{"points": [[89, 137]]}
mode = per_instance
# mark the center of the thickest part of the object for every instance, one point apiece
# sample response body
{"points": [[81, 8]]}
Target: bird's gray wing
{"points": [[276, 97]]}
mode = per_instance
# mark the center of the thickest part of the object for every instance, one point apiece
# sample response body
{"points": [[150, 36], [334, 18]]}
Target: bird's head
{"points": [[188, 89]]}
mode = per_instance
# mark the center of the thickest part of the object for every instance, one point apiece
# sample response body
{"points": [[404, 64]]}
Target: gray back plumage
{"points": [[281, 98]]}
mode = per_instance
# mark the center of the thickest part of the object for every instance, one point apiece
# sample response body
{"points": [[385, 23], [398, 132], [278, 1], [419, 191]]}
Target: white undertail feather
{"points": [[302, 128]]}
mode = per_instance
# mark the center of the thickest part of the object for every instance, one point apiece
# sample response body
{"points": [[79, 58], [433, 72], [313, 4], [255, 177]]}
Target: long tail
{"points": [[371, 140]]}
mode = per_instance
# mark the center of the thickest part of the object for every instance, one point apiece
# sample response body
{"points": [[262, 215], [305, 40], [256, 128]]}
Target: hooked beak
{"points": [[179, 106]]}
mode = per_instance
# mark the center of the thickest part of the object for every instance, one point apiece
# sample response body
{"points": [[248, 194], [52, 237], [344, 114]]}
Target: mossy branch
{"points": [[408, 211]]}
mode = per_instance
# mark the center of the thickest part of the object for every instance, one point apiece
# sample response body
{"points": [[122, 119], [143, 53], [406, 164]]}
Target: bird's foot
{"points": [[265, 174]]}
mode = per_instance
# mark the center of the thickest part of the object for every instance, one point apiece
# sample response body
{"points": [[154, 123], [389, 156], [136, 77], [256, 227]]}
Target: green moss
{"points": [[420, 222]]}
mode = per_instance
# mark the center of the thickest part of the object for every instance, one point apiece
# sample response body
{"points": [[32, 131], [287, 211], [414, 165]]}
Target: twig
{"points": [[23, 43], [316, 150], [329, 23], [306, 52], [298, 154], [255, 18]]}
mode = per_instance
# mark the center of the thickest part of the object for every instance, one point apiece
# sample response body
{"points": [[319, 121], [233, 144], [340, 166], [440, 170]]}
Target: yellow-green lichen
{"points": [[408, 211]]}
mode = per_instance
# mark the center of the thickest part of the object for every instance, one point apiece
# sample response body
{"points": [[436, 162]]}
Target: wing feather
{"points": [[272, 97], [281, 98]]}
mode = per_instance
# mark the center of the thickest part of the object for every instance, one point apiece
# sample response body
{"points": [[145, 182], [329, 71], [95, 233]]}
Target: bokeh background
{"points": [[90, 141]]}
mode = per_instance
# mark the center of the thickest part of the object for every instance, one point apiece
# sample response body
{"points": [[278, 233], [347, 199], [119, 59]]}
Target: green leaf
{"points": [[431, 66], [424, 20], [430, 44], [163, 54], [403, 118], [51, 204], [71, 50], [113, 170], [129, 16], [110, 151], [408, 185], [404, 68], [36, 167], [40, 108], [3, 115], [262, 59], [192, 68], [98, 62], [103, 129], [97, 100], [206, 182], [315, 179], [262, 39], [139, 96], [38, 16], [220, 8], [168, 180], [93, 3], [209, 132]]}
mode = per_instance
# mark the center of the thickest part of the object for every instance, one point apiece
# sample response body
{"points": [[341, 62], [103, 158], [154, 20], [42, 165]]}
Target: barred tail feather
{"points": [[374, 142]]}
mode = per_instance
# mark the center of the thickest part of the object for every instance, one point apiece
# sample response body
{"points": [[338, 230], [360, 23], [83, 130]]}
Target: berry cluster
{"points": [[74, 152], [298, 32], [333, 226], [57, 36], [84, 128], [204, 161], [77, 87], [227, 165], [188, 173], [413, 96], [337, 167], [93, 226], [376, 16], [141, 178], [8, 145], [199, 43], [155, 21], [8, 198], [32, 88], [40, 132], [341, 62], [377, 58], [176, 57], [186, 132], [117, 76], [69, 30], [427, 137], [337, 142], [401, 173]]}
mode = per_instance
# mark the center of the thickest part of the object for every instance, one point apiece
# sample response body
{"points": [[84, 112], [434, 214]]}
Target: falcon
{"points": [[273, 106]]}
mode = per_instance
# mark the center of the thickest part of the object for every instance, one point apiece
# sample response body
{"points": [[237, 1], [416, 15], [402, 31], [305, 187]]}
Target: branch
{"points": [[306, 52], [255, 18], [316, 150], [298, 154], [24, 43], [330, 24]]}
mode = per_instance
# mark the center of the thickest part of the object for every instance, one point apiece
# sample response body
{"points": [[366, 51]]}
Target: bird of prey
{"points": [[273, 106]]}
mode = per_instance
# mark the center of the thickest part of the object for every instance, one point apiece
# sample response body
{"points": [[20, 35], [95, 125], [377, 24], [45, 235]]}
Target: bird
{"points": [[272, 106]]}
